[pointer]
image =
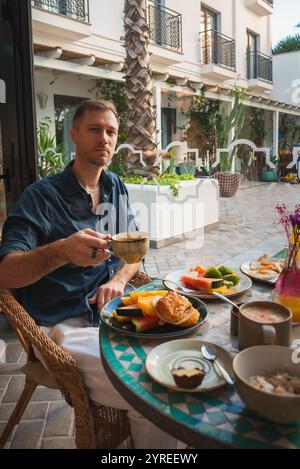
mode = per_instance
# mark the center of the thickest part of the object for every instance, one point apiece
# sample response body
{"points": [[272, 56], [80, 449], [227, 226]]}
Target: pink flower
{"points": [[285, 220]]}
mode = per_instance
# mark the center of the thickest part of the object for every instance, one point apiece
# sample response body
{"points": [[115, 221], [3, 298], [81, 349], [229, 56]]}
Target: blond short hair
{"points": [[94, 105]]}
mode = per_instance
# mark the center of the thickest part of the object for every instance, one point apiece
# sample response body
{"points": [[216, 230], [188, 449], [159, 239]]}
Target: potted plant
{"points": [[170, 206], [168, 177], [186, 167], [270, 174]]}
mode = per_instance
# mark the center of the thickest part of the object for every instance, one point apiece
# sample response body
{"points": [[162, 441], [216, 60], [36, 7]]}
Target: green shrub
{"points": [[165, 180], [51, 157]]}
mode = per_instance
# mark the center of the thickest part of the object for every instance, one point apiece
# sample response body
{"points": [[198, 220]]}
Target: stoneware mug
{"points": [[275, 330], [130, 247]]}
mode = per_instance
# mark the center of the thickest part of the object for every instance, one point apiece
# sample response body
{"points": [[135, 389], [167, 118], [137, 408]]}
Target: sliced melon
{"points": [[222, 290], [144, 324], [130, 310], [121, 319], [124, 325], [140, 294], [201, 283], [216, 283], [146, 304], [199, 269], [127, 300]]}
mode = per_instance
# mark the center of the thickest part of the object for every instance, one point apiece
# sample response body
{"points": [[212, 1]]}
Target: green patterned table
{"points": [[217, 419]]}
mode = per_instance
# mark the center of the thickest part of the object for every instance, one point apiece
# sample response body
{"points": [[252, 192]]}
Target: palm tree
{"points": [[288, 44], [140, 121]]}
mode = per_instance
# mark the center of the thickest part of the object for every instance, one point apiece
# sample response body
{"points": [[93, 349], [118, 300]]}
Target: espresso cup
{"points": [[130, 247], [264, 323]]}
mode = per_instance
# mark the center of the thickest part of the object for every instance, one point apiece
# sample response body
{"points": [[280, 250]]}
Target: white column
{"points": [[232, 130], [157, 103], [275, 133], [231, 135]]}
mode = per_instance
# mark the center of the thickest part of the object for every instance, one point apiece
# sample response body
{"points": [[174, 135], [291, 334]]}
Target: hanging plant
{"points": [[202, 123]]}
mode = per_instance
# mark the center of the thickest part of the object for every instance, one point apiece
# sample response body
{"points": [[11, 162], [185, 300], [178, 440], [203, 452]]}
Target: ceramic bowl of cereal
{"points": [[268, 382]]}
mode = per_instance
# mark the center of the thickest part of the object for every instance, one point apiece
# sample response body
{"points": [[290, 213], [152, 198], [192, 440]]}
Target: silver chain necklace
{"points": [[93, 191], [90, 191]]}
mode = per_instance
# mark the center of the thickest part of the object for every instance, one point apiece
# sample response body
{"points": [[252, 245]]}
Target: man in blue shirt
{"points": [[55, 253], [48, 240]]}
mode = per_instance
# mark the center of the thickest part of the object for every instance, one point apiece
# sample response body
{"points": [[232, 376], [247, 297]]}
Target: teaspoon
{"points": [[209, 354]]}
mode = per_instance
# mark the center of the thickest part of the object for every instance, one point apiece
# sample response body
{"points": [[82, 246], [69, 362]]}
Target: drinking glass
{"points": [[291, 302]]}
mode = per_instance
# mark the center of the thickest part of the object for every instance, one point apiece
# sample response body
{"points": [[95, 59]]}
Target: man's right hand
{"points": [[78, 248]]}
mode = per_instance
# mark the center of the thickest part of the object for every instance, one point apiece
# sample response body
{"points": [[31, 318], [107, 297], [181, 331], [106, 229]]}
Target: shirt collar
{"points": [[72, 186]]}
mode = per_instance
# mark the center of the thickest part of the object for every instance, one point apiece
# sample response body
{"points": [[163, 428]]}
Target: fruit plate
{"points": [[165, 331], [244, 285], [245, 268], [187, 353]]}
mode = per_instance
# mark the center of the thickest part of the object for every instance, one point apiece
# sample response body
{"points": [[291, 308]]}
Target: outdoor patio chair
{"points": [[229, 184], [96, 426]]}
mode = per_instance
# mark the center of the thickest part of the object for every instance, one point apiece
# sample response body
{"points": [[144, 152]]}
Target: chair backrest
{"points": [[228, 183], [59, 363]]}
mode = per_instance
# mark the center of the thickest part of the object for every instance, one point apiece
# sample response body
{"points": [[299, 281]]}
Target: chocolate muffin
{"points": [[188, 378]]}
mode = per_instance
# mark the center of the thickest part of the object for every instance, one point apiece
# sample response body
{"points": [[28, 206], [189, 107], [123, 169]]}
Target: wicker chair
{"points": [[96, 426], [229, 184]]}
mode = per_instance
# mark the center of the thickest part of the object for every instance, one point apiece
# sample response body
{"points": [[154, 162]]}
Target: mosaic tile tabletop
{"points": [[219, 415]]}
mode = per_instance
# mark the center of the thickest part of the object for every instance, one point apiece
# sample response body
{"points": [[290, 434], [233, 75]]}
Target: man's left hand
{"points": [[108, 291]]}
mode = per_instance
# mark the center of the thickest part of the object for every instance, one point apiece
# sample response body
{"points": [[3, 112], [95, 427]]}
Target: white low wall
{"points": [[168, 219]]}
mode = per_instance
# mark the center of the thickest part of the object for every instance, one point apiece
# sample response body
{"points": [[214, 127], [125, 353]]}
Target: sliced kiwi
{"points": [[233, 278], [225, 270], [212, 272]]}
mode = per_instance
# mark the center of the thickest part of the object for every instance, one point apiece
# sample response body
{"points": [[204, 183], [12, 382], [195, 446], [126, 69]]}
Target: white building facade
{"points": [[213, 46], [287, 72]]}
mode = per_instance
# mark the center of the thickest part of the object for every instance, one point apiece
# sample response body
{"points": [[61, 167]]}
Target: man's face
{"points": [[95, 137]]}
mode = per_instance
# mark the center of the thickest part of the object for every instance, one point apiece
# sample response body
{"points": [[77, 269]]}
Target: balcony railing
{"points": [[165, 26], [270, 2], [218, 49], [76, 9], [259, 66]]}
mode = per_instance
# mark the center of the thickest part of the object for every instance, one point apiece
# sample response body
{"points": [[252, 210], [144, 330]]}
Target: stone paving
{"points": [[247, 231]]}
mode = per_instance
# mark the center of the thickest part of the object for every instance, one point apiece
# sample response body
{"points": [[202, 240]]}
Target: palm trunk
{"points": [[140, 122]]}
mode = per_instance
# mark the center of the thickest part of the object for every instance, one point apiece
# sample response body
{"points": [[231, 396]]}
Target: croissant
{"points": [[177, 310]]}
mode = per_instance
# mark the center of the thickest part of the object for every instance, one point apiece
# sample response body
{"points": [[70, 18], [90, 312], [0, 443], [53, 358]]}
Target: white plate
{"points": [[187, 353], [245, 268], [244, 285]]}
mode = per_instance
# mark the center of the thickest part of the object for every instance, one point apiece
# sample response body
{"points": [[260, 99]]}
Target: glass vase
{"points": [[288, 283]]}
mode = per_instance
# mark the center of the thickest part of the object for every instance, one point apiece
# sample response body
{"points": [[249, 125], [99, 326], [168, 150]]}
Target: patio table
{"points": [[201, 420]]}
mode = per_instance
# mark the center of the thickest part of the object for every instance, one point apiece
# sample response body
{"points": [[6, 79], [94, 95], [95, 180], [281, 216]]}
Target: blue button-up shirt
{"points": [[56, 208]]}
